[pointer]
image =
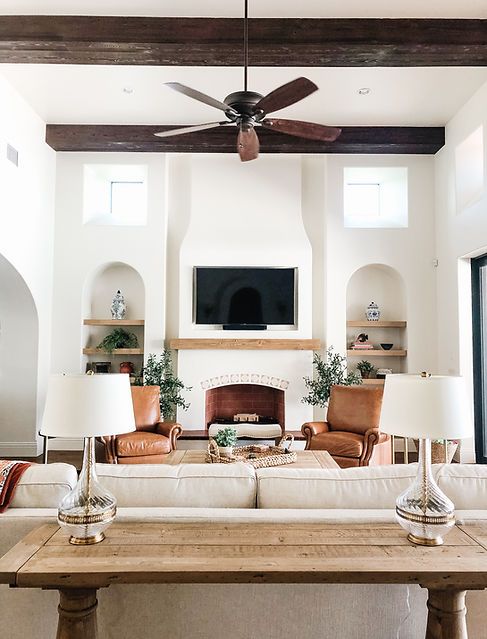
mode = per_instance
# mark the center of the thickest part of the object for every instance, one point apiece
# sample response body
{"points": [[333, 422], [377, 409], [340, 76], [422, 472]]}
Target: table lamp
{"points": [[88, 406], [425, 407]]}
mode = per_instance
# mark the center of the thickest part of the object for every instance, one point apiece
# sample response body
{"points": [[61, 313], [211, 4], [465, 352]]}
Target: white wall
{"points": [[410, 251], [80, 251], [460, 235], [26, 241]]}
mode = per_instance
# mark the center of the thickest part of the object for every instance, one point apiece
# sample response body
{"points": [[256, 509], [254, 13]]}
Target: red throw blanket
{"points": [[10, 473]]}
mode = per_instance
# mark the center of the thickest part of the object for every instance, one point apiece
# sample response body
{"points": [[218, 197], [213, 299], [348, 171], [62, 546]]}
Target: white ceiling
{"points": [[257, 8], [67, 94]]}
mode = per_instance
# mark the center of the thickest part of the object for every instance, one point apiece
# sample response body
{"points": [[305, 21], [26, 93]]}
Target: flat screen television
{"points": [[241, 297]]}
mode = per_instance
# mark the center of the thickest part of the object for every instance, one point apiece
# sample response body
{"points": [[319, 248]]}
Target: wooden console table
{"points": [[141, 553]]}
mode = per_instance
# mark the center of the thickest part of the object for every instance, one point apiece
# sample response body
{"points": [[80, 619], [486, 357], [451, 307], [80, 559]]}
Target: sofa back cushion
{"points": [[44, 485], [367, 487], [464, 484], [185, 485]]}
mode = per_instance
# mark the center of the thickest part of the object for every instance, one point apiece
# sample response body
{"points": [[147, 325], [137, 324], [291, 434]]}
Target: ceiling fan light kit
{"points": [[248, 110]]}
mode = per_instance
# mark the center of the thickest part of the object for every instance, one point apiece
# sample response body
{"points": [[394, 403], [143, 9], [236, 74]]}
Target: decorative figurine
{"points": [[372, 312], [118, 308]]}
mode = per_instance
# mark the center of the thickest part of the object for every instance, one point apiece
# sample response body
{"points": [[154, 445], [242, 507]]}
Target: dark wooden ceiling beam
{"points": [[366, 139], [290, 42]]}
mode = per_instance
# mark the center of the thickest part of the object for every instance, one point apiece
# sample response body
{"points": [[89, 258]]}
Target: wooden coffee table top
{"points": [[306, 458]]}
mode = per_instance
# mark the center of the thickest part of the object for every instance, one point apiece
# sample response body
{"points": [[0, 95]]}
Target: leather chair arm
{"points": [[171, 430], [371, 437], [310, 429]]}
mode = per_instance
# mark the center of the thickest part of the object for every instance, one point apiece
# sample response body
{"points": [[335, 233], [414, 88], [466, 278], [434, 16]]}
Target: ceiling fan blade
{"points": [[201, 97], [286, 95], [301, 129], [247, 144], [190, 129]]}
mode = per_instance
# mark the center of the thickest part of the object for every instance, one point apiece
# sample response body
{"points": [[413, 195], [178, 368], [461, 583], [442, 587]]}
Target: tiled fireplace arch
{"points": [[244, 378]]}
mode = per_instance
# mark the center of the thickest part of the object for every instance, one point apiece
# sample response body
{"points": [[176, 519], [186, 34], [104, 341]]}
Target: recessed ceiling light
{"points": [[364, 91], [127, 90]]}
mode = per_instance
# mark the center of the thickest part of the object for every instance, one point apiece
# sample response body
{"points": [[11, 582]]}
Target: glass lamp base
{"points": [[87, 511], [423, 510]]}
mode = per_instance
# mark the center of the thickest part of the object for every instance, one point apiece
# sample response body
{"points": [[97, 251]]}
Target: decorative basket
{"points": [[441, 453], [256, 456]]}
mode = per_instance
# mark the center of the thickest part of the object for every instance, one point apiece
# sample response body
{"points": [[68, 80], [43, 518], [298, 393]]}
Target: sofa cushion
{"points": [[185, 485], [44, 485], [464, 484], [140, 443], [375, 487], [338, 443]]}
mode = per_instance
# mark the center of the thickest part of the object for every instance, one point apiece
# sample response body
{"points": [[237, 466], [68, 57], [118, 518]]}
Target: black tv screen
{"points": [[254, 296]]}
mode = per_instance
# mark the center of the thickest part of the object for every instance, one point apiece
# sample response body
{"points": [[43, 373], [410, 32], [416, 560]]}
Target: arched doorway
{"points": [[19, 336]]}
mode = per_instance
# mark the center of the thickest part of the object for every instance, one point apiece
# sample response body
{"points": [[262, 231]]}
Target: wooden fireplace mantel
{"points": [[246, 344]]}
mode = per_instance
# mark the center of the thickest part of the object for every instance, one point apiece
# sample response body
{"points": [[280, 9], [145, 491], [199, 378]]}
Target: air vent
{"points": [[12, 155]]}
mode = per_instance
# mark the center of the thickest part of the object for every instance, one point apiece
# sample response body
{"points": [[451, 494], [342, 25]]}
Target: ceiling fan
{"points": [[248, 110]]}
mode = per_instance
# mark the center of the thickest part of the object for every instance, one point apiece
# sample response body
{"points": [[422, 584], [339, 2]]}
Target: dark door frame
{"points": [[479, 348]]}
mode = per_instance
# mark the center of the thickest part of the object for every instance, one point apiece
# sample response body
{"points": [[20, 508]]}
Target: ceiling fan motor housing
{"points": [[244, 102]]}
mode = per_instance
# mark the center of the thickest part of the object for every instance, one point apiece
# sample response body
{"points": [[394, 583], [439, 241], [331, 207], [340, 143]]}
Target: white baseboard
{"points": [[18, 449], [60, 443]]}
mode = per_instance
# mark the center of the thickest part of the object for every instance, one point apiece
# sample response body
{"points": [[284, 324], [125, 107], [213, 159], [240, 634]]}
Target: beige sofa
{"points": [[237, 493]]}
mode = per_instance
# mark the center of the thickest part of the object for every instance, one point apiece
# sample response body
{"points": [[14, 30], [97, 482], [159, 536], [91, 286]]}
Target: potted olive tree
{"points": [[159, 372], [328, 371], [226, 438]]}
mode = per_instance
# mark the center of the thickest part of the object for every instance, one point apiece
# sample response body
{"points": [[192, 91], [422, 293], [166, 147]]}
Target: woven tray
{"points": [[256, 456]]}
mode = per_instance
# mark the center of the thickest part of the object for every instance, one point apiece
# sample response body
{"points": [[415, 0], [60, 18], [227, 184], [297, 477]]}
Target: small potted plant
{"points": [[365, 368], [118, 338], [226, 438]]}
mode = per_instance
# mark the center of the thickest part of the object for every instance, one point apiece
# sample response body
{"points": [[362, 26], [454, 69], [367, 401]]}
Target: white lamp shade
{"points": [[435, 407], [88, 406]]}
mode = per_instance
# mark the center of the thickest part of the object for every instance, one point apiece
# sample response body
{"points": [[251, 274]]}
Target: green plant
{"points": [[329, 371], [159, 372], [365, 368], [226, 437], [118, 338]]}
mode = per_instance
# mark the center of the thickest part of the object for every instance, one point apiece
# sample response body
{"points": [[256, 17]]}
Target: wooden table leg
{"points": [[77, 614], [446, 615]]}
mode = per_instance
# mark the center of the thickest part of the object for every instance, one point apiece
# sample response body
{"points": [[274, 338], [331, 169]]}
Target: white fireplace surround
{"points": [[231, 224], [206, 369]]}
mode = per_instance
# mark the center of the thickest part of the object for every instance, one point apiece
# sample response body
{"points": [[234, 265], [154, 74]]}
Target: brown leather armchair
{"points": [[352, 428], [151, 441]]}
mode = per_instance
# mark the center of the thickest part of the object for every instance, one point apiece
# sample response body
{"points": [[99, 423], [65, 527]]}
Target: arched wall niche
{"points": [[102, 284], [100, 287], [379, 283], [19, 341], [385, 286]]}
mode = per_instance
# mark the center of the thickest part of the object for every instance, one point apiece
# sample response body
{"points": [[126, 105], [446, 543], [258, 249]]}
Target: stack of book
{"points": [[362, 346]]}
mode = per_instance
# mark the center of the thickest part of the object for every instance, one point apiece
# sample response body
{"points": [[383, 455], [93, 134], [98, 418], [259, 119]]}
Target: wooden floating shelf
{"points": [[379, 324], [246, 344], [113, 322], [364, 354], [373, 382], [116, 351]]}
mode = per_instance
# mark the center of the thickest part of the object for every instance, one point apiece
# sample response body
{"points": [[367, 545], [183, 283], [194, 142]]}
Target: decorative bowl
{"points": [[386, 347]]}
